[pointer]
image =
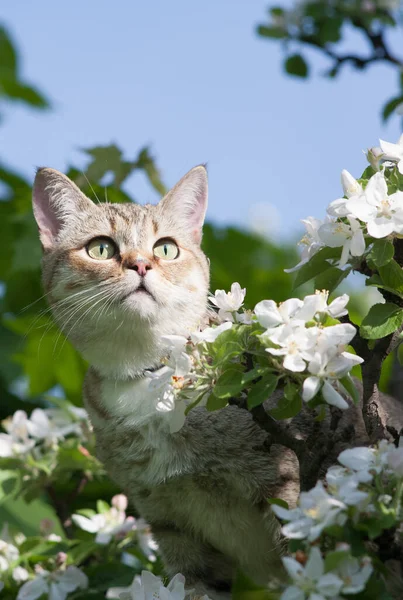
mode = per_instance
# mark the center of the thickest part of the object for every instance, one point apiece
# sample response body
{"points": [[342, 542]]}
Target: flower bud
{"points": [[120, 502]]}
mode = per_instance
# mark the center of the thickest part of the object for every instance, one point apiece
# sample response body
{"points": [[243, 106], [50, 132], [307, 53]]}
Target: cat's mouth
{"points": [[140, 290]]}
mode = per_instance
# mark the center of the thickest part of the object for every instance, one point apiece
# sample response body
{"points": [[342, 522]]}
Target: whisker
{"points": [[92, 189]]}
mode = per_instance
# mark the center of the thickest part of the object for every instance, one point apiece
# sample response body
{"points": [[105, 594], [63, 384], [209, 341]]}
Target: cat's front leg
{"points": [[207, 571]]}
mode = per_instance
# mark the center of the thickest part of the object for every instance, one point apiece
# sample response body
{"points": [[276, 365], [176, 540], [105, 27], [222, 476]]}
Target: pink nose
{"points": [[141, 266]]}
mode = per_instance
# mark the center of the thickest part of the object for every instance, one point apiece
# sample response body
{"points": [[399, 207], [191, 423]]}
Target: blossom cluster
{"points": [[296, 334], [44, 426], [56, 584], [111, 523], [55, 577], [366, 484], [301, 340], [365, 212]]}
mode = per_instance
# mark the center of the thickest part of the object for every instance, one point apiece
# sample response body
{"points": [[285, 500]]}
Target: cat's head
{"points": [[119, 276]]}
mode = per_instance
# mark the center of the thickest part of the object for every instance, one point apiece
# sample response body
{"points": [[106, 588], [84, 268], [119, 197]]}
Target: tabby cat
{"points": [[118, 278]]}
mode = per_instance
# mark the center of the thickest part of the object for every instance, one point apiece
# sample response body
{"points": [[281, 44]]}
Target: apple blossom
{"points": [[348, 236], [295, 344], [311, 241], [351, 188], [16, 441], [355, 574], [374, 157], [210, 334], [150, 587], [310, 581], [230, 302], [106, 525], [57, 585], [316, 510], [20, 574], [395, 459], [316, 305], [270, 315], [325, 371], [8, 554], [393, 152], [383, 214]]}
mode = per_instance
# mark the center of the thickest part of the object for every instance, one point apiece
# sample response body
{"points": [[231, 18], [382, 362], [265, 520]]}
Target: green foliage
{"points": [[318, 264], [322, 26], [381, 253], [296, 65], [381, 320], [12, 88]]}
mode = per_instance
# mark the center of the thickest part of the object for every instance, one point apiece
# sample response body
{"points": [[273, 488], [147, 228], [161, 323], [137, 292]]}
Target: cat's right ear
{"points": [[55, 198]]}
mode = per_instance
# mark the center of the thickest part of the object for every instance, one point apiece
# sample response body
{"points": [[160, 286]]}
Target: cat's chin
{"points": [[141, 302]]}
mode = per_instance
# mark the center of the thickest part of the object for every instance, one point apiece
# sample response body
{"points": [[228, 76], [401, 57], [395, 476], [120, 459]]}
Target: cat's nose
{"points": [[141, 266]]}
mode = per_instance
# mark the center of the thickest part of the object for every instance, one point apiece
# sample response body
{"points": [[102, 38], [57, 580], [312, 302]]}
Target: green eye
{"points": [[166, 249], [101, 248]]}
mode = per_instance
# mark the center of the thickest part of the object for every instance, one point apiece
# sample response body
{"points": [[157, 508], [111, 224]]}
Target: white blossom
{"points": [[365, 462], [393, 152], [20, 574], [383, 214], [147, 544], [51, 424], [348, 236], [310, 581], [374, 157], [16, 441], [8, 554], [210, 334], [295, 344], [395, 459], [106, 525], [316, 304], [230, 302], [354, 573], [316, 510], [173, 407], [270, 315], [311, 242], [57, 585], [179, 360], [344, 485], [351, 188], [326, 370], [150, 587]]}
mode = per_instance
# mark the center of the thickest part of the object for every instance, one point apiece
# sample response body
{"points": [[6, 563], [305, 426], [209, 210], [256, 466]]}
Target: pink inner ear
{"points": [[48, 222]]}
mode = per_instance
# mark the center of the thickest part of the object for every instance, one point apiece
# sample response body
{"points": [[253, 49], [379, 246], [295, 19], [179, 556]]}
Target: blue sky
{"points": [[192, 80]]}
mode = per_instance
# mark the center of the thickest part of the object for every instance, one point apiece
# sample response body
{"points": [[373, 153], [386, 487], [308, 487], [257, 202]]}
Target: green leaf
{"points": [[7, 53], [390, 106], [317, 264], [214, 403], [334, 559], [350, 388], [381, 320], [296, 65], [276, 33], [290, 404], [392, 276], [381, 252], [262, 390], [330, 279], [278, 502], [400, 354], [102, 507], [230, 383]]}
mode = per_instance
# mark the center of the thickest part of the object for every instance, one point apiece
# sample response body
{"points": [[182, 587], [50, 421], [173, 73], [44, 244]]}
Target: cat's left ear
{"points": [[187, 201]]}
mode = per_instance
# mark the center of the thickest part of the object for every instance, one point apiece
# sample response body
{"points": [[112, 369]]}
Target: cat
{"points": [[118, 278]]}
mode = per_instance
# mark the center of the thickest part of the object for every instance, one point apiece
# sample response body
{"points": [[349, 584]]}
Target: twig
{"points": [[63, 506]]}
